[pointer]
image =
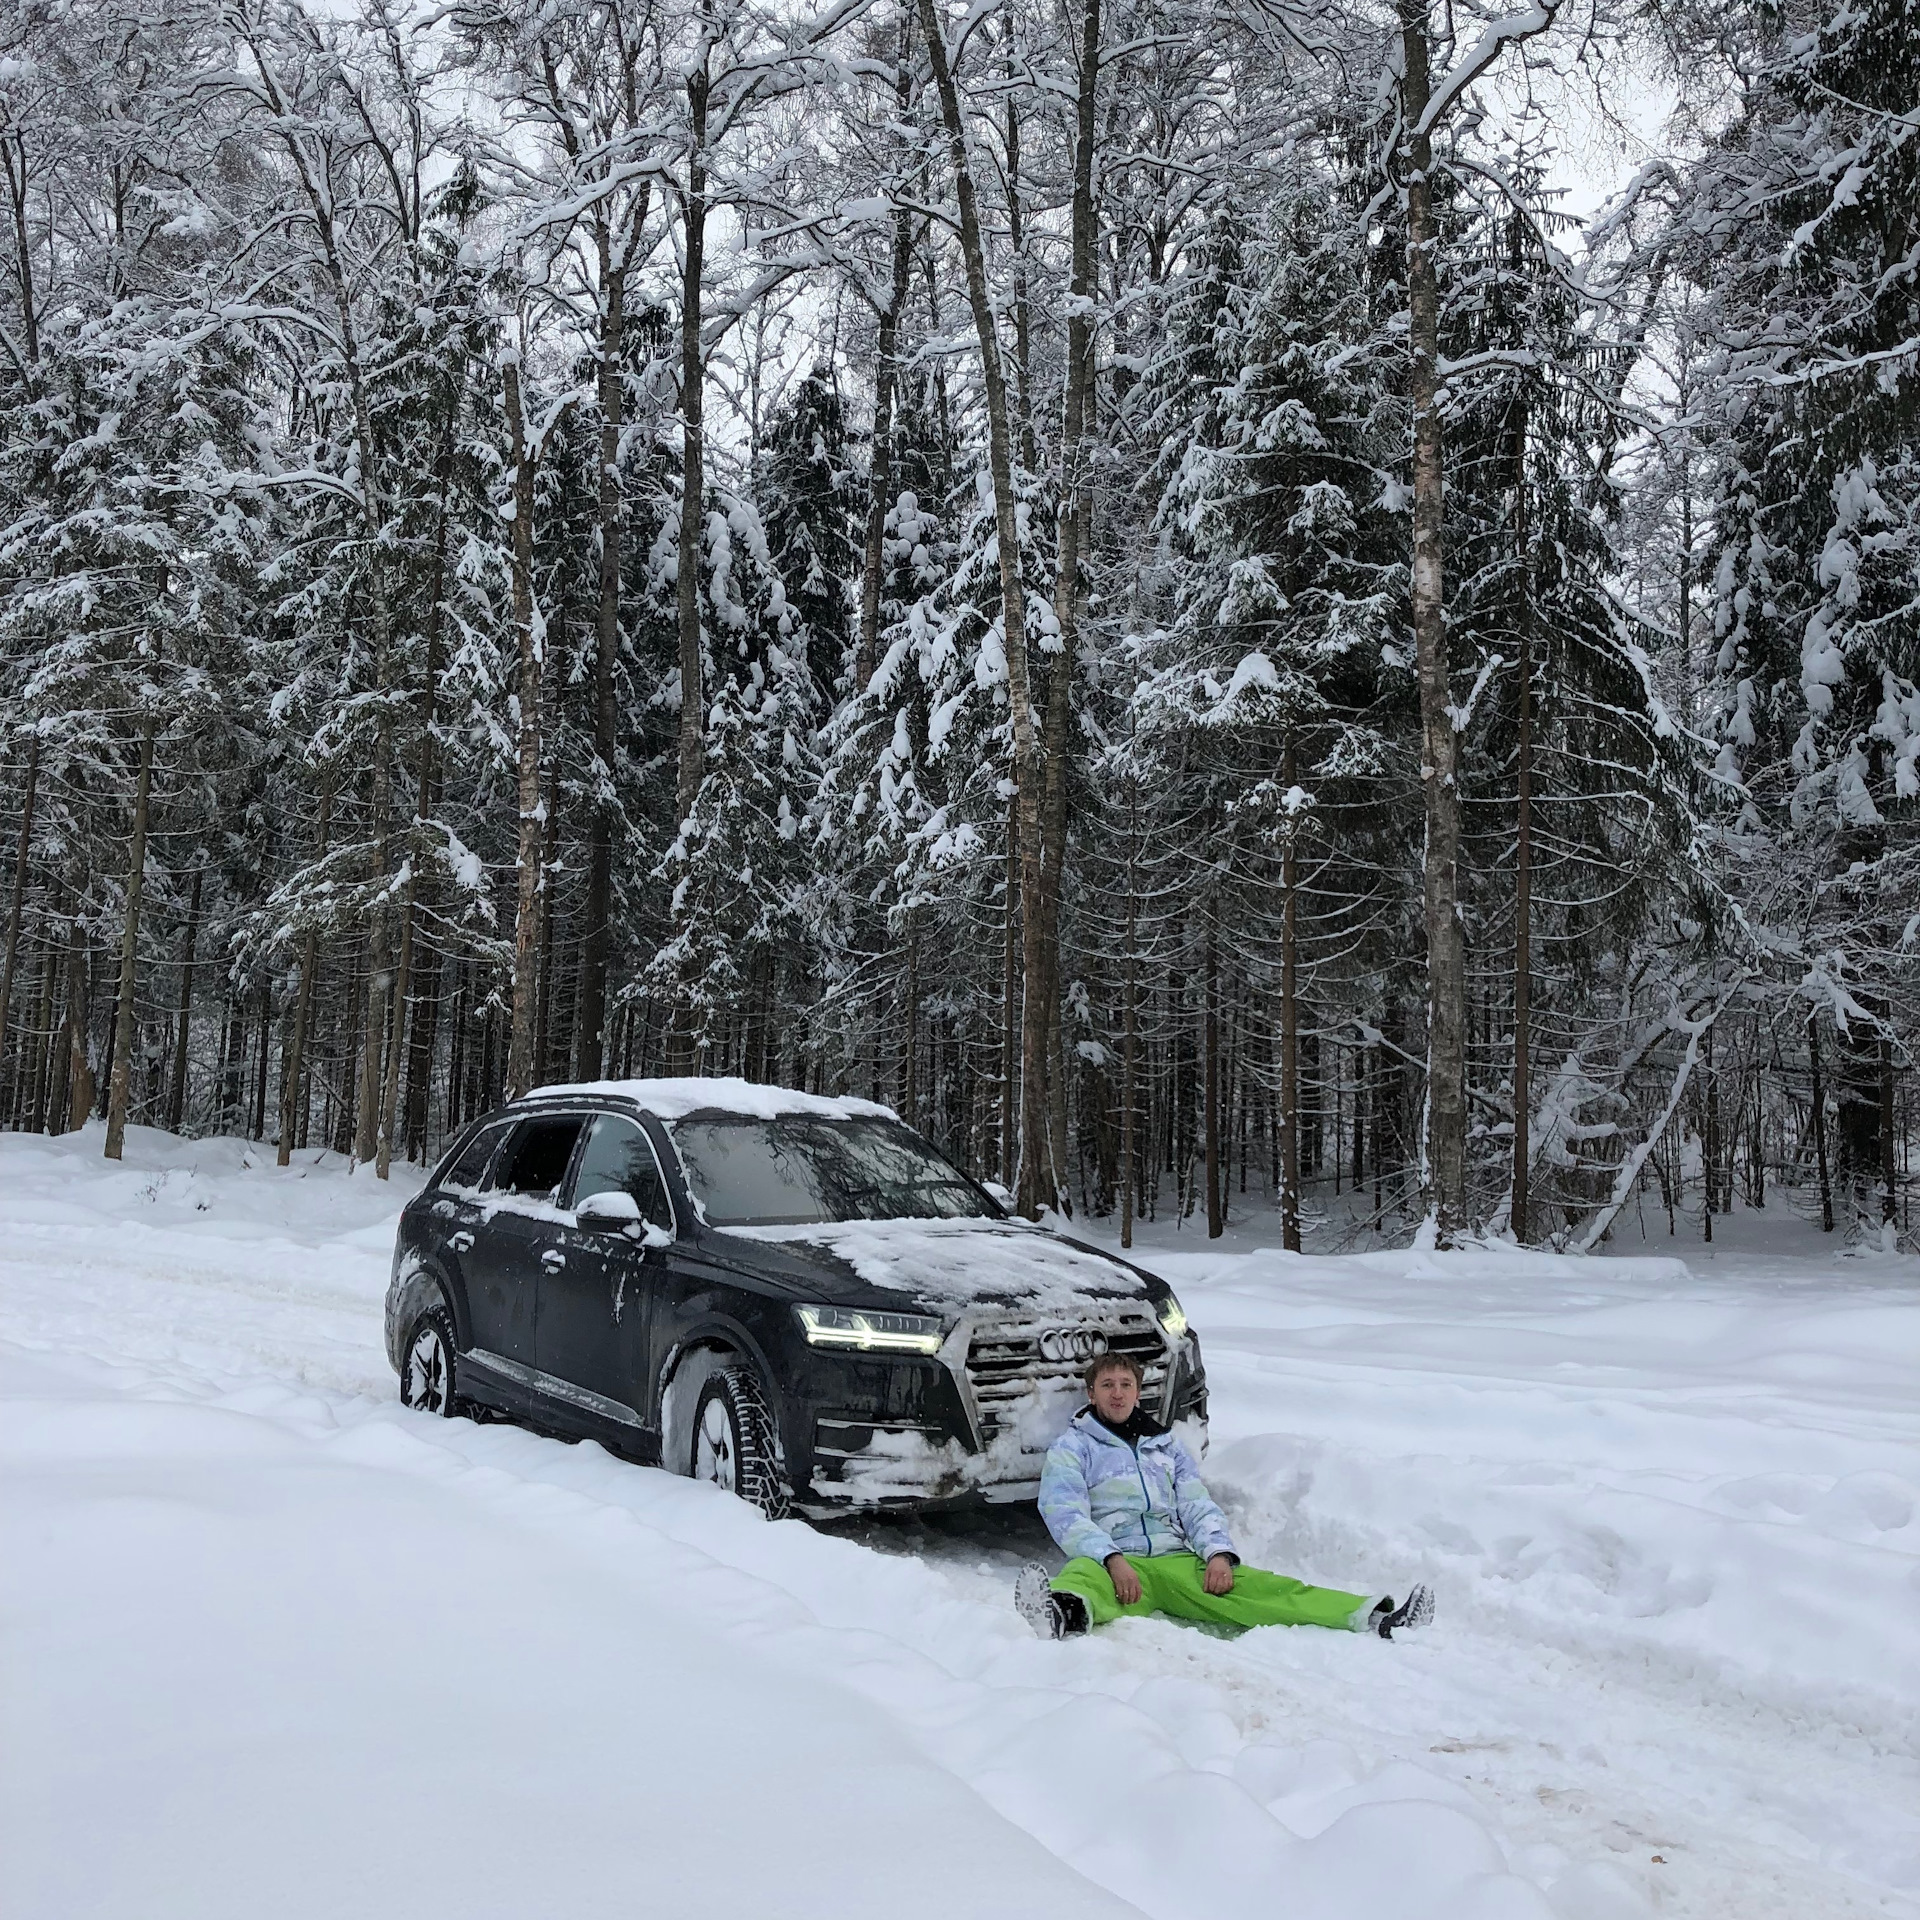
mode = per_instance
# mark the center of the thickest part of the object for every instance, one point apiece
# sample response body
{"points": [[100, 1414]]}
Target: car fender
{"points": [[415, 1285], [711, 1341]]}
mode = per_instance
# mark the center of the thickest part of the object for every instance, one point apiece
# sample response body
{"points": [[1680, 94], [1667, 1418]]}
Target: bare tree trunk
{"points": [[1289, 1028], [1037, 1182], [693, 743], [543, 1048], [77, 1083], [295, 1064], [1523, 863], [1022, 310], [1130, 1039], [590, 1030], [318, 188], [42, 1063], [13, 165], [1210, 1022], [257, 1127], [886, 373], [526, 922], [177, 1092], [423, 799], [1446, 945], [910, 1061], [122, 1081], [1069, 545], [1129, 1077], [1820, 1124], [1710, 1144], [1009, 997], [15, 909], [1889, 1163]]}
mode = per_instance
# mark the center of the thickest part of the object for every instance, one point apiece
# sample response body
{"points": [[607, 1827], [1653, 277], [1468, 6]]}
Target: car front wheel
{"points": [[427, 1366], [733, 1444]]}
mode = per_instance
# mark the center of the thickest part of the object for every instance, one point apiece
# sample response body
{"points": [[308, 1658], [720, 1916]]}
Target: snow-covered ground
{"points": [[271, 1645]]}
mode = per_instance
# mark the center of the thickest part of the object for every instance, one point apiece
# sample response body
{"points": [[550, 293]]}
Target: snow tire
{"points": [[733, 1443], [429, 1365]]}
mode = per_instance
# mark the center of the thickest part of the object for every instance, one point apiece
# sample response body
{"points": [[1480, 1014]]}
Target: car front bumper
{"points": [[972, 1424]]}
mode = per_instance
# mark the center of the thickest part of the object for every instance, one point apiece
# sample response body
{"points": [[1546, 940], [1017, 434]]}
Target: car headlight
{"points": [[867, 1332], [1173, 1318]]}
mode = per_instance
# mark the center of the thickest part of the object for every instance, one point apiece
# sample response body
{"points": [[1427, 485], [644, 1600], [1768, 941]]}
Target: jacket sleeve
{"points": [[1065, 1504], [1204, 1525]]}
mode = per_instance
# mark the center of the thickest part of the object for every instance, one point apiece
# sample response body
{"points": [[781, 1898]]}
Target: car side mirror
{"points": [[610, 1209]]}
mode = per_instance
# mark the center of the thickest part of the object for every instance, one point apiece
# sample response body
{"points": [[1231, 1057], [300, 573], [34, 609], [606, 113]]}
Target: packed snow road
{"points": [[269, 1644]]}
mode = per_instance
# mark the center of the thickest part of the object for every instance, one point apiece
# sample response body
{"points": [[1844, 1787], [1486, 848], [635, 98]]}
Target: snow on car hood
{"points": [[957, 1262]]}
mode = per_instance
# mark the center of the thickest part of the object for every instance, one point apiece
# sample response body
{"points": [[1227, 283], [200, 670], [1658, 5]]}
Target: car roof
{"points": [[681, 1096]]}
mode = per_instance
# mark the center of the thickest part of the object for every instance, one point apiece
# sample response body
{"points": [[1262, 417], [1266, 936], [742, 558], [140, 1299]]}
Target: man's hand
{"points": [[1126, 1583], [1219, 1574]]}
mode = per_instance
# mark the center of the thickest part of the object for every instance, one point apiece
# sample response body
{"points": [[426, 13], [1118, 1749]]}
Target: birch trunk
{"points": [[423, 800], [886, 372], [590, 1034], [693, 743], [1446, 945], [1036, 1181], [1069, 545]]}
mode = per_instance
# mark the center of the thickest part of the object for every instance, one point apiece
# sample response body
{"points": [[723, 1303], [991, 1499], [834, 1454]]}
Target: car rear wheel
{"points": [[427, 1368], [733, 1445]]}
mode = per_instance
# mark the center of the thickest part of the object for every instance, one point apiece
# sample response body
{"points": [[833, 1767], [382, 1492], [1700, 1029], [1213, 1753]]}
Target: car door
{"points": [[454, 1207], [519, 1228], [595, 1301]]}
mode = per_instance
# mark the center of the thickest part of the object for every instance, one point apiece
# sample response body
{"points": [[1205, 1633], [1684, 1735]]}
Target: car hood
{"points": [[937, 1265]]}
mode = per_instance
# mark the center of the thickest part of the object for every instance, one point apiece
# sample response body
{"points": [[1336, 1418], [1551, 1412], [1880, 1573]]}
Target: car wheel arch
{"points": [[421, 1288], [690, 1362]]}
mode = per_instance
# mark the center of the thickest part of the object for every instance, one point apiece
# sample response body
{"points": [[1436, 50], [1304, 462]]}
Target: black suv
{"points": [[794, 1297]]}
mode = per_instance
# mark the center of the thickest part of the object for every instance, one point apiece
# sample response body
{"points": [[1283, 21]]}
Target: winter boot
{"points": [[1053, 1616], [1414, 1611]]}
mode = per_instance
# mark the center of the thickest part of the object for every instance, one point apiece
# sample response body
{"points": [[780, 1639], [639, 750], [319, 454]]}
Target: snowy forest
{"points": [[1129, 579]]}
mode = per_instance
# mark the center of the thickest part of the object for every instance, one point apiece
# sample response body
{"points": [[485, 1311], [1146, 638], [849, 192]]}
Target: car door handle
{"points": [[461, 1242], [553, 1259]]}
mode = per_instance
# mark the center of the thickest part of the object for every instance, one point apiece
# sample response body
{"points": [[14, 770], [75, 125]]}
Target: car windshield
{"points": [[806, 1172]]}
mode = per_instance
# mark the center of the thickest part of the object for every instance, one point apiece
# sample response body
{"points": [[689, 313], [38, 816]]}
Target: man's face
{"points": [[1115, 1393]]}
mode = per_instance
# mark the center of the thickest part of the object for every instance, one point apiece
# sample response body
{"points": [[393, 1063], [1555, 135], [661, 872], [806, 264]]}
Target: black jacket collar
{"points": [[1138, 1425]]}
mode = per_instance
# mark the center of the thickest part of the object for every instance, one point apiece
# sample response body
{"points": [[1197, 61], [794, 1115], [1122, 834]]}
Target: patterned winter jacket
{"points": [[1100, 1494]]}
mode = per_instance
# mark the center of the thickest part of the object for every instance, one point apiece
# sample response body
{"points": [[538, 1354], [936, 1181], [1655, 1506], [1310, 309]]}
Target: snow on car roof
{"points": [[674, 1099]]}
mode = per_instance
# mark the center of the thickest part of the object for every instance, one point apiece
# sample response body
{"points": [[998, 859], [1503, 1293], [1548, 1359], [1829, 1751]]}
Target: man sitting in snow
{"points": [[1122, 1497]]}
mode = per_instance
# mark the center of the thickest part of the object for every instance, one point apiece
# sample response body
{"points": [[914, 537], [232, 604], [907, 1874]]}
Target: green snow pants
{"points": [[1171, 1583]]}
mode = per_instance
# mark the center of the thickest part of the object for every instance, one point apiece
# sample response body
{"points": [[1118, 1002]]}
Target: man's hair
{"points": [[1107, 1362]]}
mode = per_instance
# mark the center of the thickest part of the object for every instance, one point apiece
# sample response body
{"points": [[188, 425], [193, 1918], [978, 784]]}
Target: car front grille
{"points": [[1008, 1360]]}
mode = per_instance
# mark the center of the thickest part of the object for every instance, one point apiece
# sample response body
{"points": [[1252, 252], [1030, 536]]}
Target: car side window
{"points": [[618, 1158], [536, 1162], [469, 1166]]}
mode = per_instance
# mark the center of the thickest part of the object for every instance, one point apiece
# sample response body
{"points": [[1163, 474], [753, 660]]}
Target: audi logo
{"points": [[1070, 1343]]}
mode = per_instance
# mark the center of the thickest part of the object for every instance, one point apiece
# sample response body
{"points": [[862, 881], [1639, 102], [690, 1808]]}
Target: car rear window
{"points": [[536, 1162], [469, 1166]]}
